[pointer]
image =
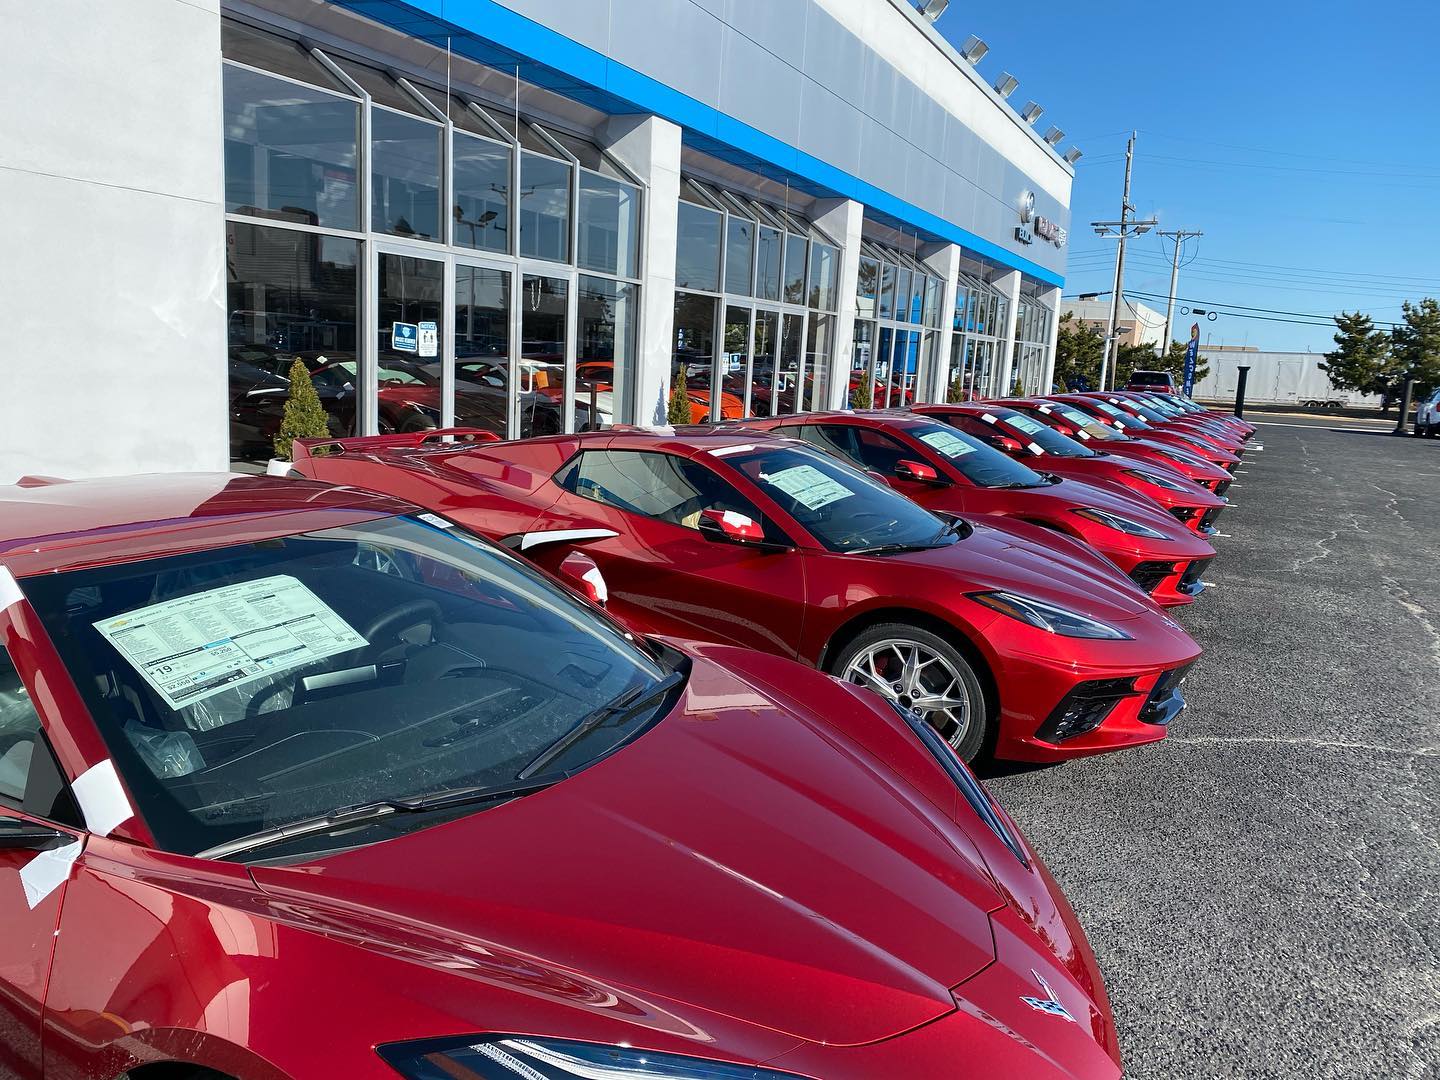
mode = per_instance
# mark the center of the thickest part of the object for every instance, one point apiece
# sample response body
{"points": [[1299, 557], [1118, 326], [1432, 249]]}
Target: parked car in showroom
{"points": [[1010, 639], [299, 782], [950, 472], [1044, 449]]}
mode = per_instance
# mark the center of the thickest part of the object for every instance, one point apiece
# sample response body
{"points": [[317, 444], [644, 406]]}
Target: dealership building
{"points": [[526, 215]]}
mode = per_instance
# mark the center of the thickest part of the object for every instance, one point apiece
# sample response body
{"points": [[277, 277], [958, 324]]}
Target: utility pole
{"points": [[1179, 236], [1123, 229]]}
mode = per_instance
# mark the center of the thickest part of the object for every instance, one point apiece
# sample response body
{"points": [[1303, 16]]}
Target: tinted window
{"points": [[405, 173], [795, 248], [655, 485], [481, 194], [739, 252], [1028, 429], [1083, 421], [844, 509], [697, 248], [975, 461], [544, 208], [767, 263], [609, 225], [1125, 419], [19, 728], [257, 685]]}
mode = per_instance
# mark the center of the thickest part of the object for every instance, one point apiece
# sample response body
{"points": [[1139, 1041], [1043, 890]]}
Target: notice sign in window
{"points": [[194, 647], [808, 486], [948, 443]]}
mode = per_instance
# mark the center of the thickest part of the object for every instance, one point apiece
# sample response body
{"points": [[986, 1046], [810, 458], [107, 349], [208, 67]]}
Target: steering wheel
{"points": [[400, 618]]}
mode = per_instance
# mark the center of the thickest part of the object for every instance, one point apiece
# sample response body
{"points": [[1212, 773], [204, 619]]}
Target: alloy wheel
{"points": [[917, 678]]}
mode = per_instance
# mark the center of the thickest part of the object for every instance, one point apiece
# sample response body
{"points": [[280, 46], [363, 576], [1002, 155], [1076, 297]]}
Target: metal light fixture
{"points": [[1031, 112], [974, 49], [1005, 85], [1054, 135], [1073, 155], [933, 9]]}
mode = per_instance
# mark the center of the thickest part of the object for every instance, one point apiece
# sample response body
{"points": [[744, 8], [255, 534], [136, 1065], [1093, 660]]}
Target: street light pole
{"points": [[1179, 236], [1125, 209]]}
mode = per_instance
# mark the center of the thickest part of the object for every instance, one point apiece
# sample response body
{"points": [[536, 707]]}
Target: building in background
{"points": [[528, 218], [1138, 324]]}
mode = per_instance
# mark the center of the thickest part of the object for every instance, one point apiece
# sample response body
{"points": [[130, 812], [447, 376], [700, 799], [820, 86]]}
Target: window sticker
{"points": [[947, 443], [1026, 424], [194, 647], [438, 522], [808, 486]]}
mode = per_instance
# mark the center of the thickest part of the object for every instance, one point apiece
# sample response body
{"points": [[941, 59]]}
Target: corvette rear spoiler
{"points": [[303, 449]]}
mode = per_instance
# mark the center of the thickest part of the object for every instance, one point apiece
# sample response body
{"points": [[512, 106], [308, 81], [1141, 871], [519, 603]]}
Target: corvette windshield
{"points": [[841, 507], [1044, 436], [982, 465], [1083, 421], [255, 686], [1149, 413], [1129, 421]]}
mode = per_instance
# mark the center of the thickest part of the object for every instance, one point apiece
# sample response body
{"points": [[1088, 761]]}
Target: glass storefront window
{"points": [[290, 151], [817, 362], [404, 175], [605, 353], [767, 263], [410, 290], [887, 290], [863, 361], [290, 295], [867, 285], [917, 298], [739, 253], [902, 295], [824, 260], [735, 355], [544, 208], [766, 362], [795, 249], [481, 194], [482, 348], [544, 305], [697, 248], [609, 234], [694, 351], [792, 359], [933, 294]]}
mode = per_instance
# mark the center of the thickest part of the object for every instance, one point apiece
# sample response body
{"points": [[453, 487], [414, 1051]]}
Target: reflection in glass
{"points": [[544, 208], [867, 285], [482, 194], [410, 291], [735, 356], [289, 295], [767, 263], [697, 248], [823, 261], [405, 175], [904, 368], [605, 354], [817, 362], [917, 298], [694, 351], [792, 364], [544, 303], [482, 348], [883, 356], [887, 291], [739, 254], [795, 247], [862, 364], [902, 296], [290, 151], [763, 367], [609, 235]]}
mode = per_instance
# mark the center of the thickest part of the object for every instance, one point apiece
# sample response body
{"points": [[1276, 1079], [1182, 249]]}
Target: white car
{"points": [[1427, 416]]}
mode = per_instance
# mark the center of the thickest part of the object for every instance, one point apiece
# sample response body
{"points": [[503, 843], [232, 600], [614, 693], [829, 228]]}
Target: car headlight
{"points": [[1182, 457], [500, 1057], [1156, 479], [1120, 524], [1049, 617]]}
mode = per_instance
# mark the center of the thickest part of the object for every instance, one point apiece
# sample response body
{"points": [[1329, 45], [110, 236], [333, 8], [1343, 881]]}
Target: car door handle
{"points": [[16, 833]]}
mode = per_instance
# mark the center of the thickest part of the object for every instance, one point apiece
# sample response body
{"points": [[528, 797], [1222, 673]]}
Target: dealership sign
{"points": [[1033, 225], [1048, 230]]}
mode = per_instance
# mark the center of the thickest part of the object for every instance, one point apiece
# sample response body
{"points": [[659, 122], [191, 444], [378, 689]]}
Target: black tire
{"points": [[967, 738]]}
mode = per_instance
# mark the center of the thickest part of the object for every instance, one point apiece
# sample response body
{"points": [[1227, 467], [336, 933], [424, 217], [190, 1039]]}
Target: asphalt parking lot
{"points": [[1261, 888]]}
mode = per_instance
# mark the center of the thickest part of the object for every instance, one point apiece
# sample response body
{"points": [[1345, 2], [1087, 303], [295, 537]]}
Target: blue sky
{"points": [[1302, 138]]}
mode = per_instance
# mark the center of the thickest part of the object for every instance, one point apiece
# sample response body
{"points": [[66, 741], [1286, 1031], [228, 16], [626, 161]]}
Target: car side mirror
{"points": [[730, 527], [585, 575], [916, 471], [1005, 444], [17, 833]]}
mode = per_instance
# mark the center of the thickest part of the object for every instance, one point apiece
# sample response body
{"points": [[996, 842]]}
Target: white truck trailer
{"points": [[1276, 379]]}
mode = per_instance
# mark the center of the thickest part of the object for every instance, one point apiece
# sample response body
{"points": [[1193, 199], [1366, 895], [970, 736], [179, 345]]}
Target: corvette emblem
{"points": [[1049, 1004]]}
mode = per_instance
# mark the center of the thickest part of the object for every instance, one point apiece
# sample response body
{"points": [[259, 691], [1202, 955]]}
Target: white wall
{"points": [[112, 263]]}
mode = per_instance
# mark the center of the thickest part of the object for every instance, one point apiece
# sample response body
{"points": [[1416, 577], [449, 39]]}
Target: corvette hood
{"points": [[1076, 494], [737, 857]]}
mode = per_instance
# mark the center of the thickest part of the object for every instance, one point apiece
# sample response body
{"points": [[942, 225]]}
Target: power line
{"points": [[1324, 320]]}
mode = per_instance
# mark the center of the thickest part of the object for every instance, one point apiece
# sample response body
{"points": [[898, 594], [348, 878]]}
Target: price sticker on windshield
{"points": [[948, 443], [808, 486], [1026, 424]]}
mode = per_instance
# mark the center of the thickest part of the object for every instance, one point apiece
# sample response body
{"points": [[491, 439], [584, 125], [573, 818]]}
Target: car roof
{"points": [[49, 525]]}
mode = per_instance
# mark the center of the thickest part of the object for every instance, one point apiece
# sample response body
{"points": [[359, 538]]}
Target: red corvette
{"points": [[729, 535], [1184, 404], [1180, 411], [1211, 430], [1132, 424], [953, 473], [301, 783], [1042, 447], [1073, 422]]}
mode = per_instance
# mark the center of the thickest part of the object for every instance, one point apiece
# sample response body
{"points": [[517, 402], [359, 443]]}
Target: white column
{"points": [[842, 220], [1051, 298], [1004, 377], [650, 147], [944, 261]]}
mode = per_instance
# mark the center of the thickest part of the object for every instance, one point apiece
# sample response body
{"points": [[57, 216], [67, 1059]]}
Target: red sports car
{"points": [[1177, 409], [1084, 428], [1180, 401], [297, 782], [1152, 412], [953, 473], [725, 534], [1132, 424], [1042, 447]]}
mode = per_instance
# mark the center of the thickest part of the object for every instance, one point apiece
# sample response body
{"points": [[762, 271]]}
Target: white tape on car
{"points": [[597, 581], [9, 591], [102, 800], [45, 873], [561, 536]]}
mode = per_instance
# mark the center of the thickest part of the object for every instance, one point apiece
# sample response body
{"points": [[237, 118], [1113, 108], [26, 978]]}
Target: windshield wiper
{"points": [[623, 708], [373, 811], [956, 527]]}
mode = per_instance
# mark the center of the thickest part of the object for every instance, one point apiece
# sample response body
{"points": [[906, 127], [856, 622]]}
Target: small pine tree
{"points": [[956, 394], [863, 396], [1018, 390], [679, 411], [304, 417]]}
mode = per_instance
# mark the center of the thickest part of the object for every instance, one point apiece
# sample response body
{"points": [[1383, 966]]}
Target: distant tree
{"points": [[1078, 351], [1363, 359], [304, 417], [679, 411], [1415, 345]]}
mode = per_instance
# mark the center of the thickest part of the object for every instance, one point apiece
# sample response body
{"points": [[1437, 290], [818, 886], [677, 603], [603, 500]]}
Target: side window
{"points": [[876, 451], [835, 439], [19, 729], [654, 485], [971, 425]]}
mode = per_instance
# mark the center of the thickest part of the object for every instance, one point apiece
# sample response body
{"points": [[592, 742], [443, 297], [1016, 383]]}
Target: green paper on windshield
{"points": [[948, 443], [808, 486]]}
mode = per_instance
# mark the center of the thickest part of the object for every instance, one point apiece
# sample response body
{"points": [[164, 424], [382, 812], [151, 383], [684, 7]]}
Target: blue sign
{"points": [[404, 336], [1192, 351]]}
